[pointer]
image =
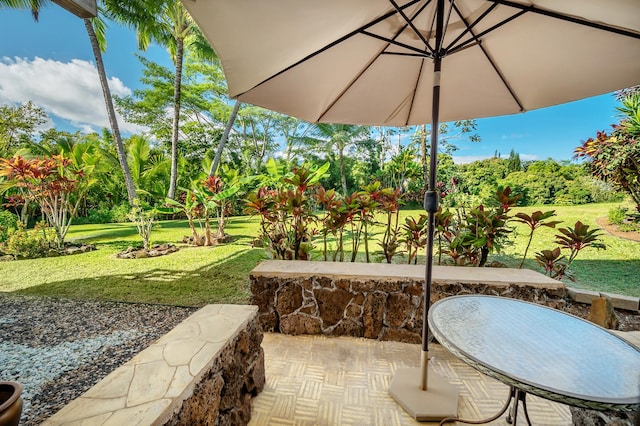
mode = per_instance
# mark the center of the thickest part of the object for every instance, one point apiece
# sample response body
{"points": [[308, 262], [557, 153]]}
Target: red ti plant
{"points": [[479, 231], [443, 230], [216, 192], [286, 213], [415, 236], [329, 201], [574, 239], [552, 261], [535, 221], [390, 200], [368, 204], [54, 183]]}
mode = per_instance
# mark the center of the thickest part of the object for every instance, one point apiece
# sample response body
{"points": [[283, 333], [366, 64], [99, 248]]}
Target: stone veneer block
{"points": [[179, 378], [377, 301], [618, 301]]}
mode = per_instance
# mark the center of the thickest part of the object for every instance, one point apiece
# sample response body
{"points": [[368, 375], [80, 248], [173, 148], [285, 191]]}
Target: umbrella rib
{"points": [[397, 43], [415, 55], [382, 51], [486, 55], [413, 96], [471, 26], [568, 18], [476, 38], [334, 43], [412, 25]]}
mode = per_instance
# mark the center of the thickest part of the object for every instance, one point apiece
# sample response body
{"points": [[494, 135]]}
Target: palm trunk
{"points": [[223, 140], [423, 148], [111, 114], [177, 86], [343, 178]]}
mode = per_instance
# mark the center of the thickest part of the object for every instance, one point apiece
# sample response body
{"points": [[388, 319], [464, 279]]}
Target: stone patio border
{"points": [[204, 371], [377, 301]]}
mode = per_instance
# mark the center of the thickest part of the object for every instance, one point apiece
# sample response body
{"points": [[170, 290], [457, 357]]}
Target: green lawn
{"points": [[196, 276], [193, 276]]}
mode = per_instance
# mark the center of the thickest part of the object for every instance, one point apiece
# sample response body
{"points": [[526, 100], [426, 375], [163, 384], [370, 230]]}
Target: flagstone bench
{"points": [[204, 371], [377, 301]]}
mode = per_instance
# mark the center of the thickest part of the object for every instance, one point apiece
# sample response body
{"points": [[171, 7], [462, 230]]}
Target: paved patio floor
{"points": [[316, 380]]}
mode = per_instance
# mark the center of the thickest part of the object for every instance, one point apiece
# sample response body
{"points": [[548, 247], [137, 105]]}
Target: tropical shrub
{"points": [[617, 215], [615, 157], [535, 221], [55, 183], [8, 222], [285, 213], [415, 236], [144, 219], [467, 236], [27, 244]]}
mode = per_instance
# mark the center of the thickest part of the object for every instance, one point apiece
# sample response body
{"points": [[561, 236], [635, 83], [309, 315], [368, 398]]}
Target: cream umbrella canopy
{"points": [[385, 62]]}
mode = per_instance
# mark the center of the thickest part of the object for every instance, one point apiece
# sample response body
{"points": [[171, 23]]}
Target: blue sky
{"points": [[50, 62]]}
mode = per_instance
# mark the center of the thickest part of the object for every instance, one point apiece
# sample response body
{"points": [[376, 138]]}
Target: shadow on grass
{"points": [[612, 276], [222, 281]]}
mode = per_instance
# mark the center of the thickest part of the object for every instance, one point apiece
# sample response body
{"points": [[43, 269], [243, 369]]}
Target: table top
{"points": [[540, 350]]}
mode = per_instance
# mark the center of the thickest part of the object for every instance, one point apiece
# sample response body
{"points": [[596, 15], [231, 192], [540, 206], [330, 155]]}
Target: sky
{"points": [[51, 63]]}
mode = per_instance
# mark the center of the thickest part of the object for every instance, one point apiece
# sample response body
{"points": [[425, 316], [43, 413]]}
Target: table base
{"points": [[516, 396]]}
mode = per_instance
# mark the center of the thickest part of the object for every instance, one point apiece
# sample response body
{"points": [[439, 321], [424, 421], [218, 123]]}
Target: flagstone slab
{"points": [[215, 352]]}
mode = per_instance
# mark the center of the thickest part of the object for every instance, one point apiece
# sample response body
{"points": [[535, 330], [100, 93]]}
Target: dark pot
{"points": [[10, 403]]}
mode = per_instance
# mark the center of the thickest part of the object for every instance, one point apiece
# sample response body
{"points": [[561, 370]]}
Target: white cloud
{"points": [[70, 91], [466, 159]]}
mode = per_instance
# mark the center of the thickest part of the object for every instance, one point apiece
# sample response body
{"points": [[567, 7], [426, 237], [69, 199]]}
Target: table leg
{"points": [[516, 396], [520, 396]]}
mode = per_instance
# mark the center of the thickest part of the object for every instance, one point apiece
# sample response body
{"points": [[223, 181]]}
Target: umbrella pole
{"points": [[434, 399], [431, 207]]}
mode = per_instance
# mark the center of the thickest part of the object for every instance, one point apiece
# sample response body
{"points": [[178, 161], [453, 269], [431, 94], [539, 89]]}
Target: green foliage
{"points": [[469, 235], [99, 215], [617, 215], [615, 157], [8, 223], [27, 244], [17, 126]]}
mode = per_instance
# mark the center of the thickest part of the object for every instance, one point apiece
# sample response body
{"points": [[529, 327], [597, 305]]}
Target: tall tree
{"points": [[18, 125], [169, 24], [99, 45], [337, 137], [96, 31]]}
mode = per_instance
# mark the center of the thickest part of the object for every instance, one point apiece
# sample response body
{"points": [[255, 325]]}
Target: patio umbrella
{"points": [[385, 62]]}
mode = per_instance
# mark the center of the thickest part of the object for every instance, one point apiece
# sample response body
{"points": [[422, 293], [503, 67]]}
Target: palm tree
{"points": [[149, 167], [169, 24], [337, 137], [98, 45], [95, 30]]}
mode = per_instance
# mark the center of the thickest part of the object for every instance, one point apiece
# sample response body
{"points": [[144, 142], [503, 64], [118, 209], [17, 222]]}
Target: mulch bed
{"points": [[614, 230]]}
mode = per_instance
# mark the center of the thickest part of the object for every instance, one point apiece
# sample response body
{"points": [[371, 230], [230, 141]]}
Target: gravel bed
{"points": [[58, 348]]}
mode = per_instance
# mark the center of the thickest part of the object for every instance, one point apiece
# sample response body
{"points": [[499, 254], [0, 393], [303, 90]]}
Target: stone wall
{"points": [[223, 396], [377, 301], [203, 372]]}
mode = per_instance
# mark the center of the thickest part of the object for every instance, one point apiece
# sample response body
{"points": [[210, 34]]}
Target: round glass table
{"points": [[540, 351]]}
